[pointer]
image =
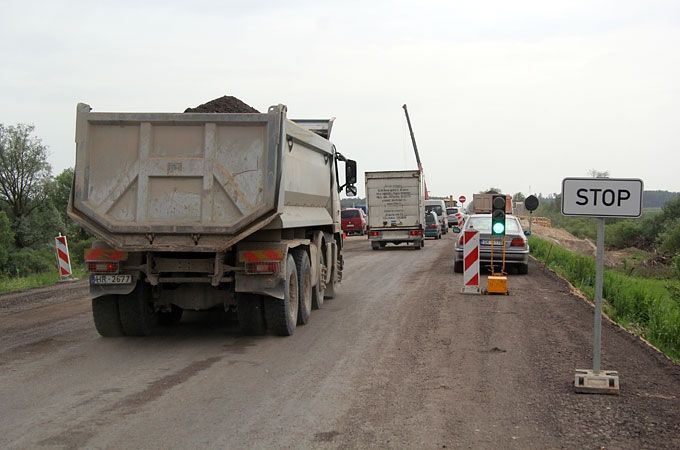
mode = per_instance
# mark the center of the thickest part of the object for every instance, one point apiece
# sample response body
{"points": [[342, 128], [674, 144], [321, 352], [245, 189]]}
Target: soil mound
{"points": [[225, 104]]}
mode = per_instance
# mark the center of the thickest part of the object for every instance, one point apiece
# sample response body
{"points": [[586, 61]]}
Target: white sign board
{"points": [[602, 197]]}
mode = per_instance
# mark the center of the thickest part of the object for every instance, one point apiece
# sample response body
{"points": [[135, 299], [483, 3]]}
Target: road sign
{"points": [[531, 203], [462, 199], [602, 197]]}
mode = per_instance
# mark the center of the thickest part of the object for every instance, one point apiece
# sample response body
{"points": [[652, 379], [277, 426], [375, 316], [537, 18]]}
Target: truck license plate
{"points": [[110, 279]]}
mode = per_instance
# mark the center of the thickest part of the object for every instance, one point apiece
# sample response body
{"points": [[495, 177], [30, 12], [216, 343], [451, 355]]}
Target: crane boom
{"points": [[415, 149]]}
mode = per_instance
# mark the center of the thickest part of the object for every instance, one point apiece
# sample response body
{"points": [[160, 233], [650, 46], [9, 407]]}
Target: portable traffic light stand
{"points": [[497, 282]]}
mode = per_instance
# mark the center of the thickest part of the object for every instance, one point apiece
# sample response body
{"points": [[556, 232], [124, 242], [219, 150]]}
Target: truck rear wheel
{"points": [[281, 314], [304, 273], [106, 316], [136, 311], [318, 291], [250, 314]]}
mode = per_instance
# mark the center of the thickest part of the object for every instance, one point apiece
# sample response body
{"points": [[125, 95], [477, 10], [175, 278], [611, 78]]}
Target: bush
{"points": [[623, 234], [27, 261]]}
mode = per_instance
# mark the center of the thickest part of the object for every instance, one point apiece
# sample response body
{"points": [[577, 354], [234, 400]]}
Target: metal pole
{"points": [[599, 265], [530, 216]]}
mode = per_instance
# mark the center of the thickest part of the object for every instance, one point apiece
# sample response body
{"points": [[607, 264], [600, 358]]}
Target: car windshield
{"points": [[451, 211], [483, 224], [350, 214], [436, 208]]}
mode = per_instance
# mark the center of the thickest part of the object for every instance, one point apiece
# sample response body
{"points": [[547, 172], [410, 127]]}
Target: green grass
{"points": [[12, 284], [647, 306]]}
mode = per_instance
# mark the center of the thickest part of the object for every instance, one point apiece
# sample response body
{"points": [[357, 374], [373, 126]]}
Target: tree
{"points": [[518, 197], [597, 174], [24, 172], [491, 190]]}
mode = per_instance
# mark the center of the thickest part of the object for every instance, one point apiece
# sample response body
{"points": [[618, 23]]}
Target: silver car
{"points": [[516, 244]]}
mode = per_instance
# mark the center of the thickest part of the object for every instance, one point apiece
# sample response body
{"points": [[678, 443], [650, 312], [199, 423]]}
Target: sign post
{"points": [[600, 198]]}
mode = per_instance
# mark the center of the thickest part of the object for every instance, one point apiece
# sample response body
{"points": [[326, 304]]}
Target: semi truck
{"points": [[481, 203], [396, 211], [208, 211]]}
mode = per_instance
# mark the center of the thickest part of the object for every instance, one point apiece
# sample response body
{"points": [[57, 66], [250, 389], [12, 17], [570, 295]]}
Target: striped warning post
{"points": [[471, 262], [62, 256]]}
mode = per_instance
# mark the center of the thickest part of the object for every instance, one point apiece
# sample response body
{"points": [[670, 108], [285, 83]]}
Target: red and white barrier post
{"points": [[471, 262], [63, 259]]}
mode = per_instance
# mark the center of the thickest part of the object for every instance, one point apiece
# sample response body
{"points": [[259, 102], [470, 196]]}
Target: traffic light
{"points": [[498, 215]]}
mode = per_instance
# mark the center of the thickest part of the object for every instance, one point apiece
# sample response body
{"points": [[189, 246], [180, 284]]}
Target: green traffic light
{"points": [[498, 228]]}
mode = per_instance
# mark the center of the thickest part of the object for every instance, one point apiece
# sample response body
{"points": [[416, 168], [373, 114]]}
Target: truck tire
{"points": [[170, 318], [136, 311], [330, 287], [250, 314], [318, 291], [106, 316], [458, 267], [281, 314], [304, 273], [375, 245]]}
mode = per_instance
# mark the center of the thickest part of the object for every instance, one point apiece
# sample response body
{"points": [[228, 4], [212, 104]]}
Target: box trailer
{"points": [[396, 212]]}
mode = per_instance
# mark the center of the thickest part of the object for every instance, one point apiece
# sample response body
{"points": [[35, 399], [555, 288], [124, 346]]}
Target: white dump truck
{"points": [[207, 211], [396, 213]]}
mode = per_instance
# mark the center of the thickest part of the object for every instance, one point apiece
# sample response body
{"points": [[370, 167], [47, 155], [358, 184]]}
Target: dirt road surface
{"points": [[399, 359]]}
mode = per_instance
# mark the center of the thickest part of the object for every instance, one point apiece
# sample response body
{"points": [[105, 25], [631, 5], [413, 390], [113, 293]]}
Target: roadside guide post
{"points": [[600, 198], [471, 262], [63, 258]]}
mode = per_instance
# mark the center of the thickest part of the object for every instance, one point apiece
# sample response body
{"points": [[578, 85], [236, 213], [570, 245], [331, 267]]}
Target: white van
{"points": [[439, 207]]}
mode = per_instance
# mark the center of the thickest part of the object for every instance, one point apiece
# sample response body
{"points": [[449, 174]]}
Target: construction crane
{"points": [[415, 149]]}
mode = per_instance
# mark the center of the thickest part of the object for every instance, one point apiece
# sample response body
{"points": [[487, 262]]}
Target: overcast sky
{"points": [[510, 94]]}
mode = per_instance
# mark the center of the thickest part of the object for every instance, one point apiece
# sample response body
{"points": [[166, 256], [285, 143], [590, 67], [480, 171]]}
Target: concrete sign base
{"points": [[601, 382]]}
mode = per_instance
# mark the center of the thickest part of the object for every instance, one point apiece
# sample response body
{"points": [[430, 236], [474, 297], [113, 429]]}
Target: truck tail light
{"points": [[415, 233], [517, 242], [103, 266], [262, 267], [374, 233]]}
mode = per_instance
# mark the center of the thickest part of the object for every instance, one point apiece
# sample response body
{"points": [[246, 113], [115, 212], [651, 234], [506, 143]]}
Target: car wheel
{"points": [[458, 267], [523, 269]]}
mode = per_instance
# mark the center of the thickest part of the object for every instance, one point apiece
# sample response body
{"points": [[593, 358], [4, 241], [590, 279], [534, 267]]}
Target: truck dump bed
{"points": [[196, 182]]}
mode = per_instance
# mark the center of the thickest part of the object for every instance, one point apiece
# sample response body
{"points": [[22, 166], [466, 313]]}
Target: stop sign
{"points": [[462, 199]]}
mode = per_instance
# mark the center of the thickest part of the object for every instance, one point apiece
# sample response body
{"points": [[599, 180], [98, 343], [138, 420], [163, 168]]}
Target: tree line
{"points": [[33, 205]]}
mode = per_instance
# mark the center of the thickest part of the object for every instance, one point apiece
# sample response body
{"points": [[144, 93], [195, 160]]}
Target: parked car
{"points": [[439, 207], [455, 216], [353, 221], [433, 227], [516, 244]]}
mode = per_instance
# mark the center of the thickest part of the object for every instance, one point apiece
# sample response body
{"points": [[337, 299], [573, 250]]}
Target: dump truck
{"points": [[396, 212], [208, 211], [481, 203]]}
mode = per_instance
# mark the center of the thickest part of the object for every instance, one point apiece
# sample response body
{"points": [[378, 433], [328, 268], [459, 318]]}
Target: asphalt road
{"points": [[398, 359]]}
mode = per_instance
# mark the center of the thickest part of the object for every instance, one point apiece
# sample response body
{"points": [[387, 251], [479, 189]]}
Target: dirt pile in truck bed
{"points": [[225, 104]]}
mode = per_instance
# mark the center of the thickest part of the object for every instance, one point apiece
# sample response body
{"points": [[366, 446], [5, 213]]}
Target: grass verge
{"points": [[646, 306], [13, 284]]}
